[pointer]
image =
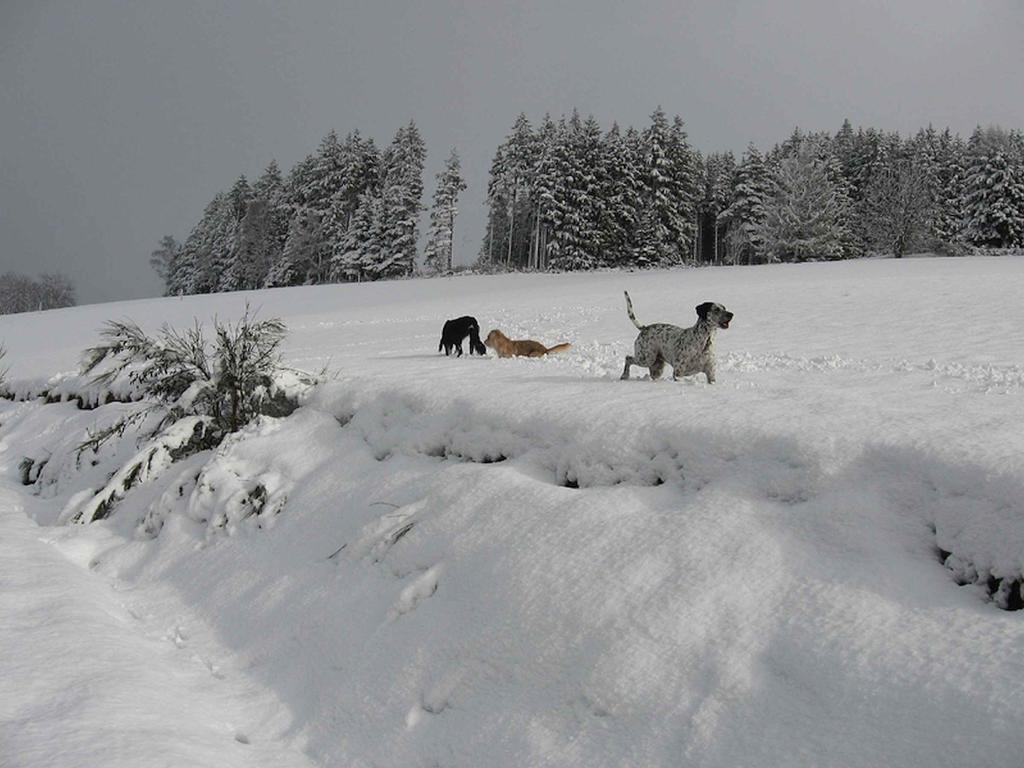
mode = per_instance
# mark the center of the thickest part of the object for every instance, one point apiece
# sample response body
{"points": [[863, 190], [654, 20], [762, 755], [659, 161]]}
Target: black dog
{"points": [[456, 330]]}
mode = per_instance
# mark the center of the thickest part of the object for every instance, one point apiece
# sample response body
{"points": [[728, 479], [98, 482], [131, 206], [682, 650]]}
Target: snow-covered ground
{"points": [[485, 562]]}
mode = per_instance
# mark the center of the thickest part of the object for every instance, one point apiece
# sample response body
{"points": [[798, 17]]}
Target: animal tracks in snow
{"points": [[423, 586]]}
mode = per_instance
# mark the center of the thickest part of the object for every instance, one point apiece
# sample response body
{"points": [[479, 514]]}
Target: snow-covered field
{"points": [[485, 562]]}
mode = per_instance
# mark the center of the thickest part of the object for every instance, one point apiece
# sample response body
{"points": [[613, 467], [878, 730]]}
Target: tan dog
{"points": [[506, 347]]}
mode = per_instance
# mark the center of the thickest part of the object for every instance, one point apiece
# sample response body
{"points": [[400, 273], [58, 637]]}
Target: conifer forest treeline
{"points": [[572, 195]]}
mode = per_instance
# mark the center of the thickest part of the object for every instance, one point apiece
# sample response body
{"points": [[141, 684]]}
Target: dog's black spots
{"points": [[703, 309], [455, 331]]}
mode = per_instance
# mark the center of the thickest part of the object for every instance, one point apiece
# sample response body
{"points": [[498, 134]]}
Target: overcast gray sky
{"points": [[120, 119]]}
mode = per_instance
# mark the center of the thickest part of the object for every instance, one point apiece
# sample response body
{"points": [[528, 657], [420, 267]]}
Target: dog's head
{"points": [[494, 338], [715, 314]]}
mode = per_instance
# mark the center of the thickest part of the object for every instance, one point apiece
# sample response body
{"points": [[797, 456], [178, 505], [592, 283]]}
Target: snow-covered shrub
{"points": [[3, 373], [196, 392]]}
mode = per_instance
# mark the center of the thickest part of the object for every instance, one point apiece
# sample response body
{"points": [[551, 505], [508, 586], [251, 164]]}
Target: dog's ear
{"points": [[703, 309]]}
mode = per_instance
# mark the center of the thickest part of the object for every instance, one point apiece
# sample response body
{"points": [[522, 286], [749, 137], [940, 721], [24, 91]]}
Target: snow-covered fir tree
{"points": [[577, 239], [671, 190], [402, 195], [622, 193], [441, 239], [948, 221], [994, 189], [303, 252], [804, 215], [746, 212], [719, 169], [541, 194], [364, 241], [192, 270]]}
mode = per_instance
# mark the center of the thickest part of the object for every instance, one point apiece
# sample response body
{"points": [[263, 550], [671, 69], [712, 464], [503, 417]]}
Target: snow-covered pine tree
{"points": [[746, 212], [717, 192], [497, 203], [441, 240], [541, 193], [560, 173], [578, 232], [326, 181], [260, 234], [361, 182], [302, 252], [193, 270], [298, 193], [657, 225], [672, 190], [852, 242], [804, 216], [519, 170], [994, 190], [685, 164], [265, 227], [228, 241], [622, 191], [363, 244], [948, 220], [844, 148], [402, 194]]}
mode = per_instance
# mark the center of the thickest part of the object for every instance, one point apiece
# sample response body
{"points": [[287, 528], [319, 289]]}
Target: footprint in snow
{"points": [[422, 587]]}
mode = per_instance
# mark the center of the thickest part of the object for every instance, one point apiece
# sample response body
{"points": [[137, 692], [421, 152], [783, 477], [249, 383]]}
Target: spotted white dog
{"points": [[687, 350]]}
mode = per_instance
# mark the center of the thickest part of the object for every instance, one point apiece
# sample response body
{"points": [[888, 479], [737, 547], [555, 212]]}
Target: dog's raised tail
{"points": [[629, 311], [558, 347]]}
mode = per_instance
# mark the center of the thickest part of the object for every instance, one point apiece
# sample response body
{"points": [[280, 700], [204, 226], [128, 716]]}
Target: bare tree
{"points": [[897, 204], [55, 290]]}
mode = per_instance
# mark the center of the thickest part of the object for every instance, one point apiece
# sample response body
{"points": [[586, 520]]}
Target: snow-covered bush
{"points": [[3, 373], [195, 393]]}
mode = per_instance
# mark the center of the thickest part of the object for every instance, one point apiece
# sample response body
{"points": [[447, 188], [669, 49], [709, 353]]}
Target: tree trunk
{"points": [[535, 245], [451, 241], [697, 250], [490, 236], [716, 239], [511, 226]]}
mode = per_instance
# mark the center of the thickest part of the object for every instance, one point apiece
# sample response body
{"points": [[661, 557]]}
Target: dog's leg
{"points": [[709, 371], [458, 346], [657, 367], [625, 371]]}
